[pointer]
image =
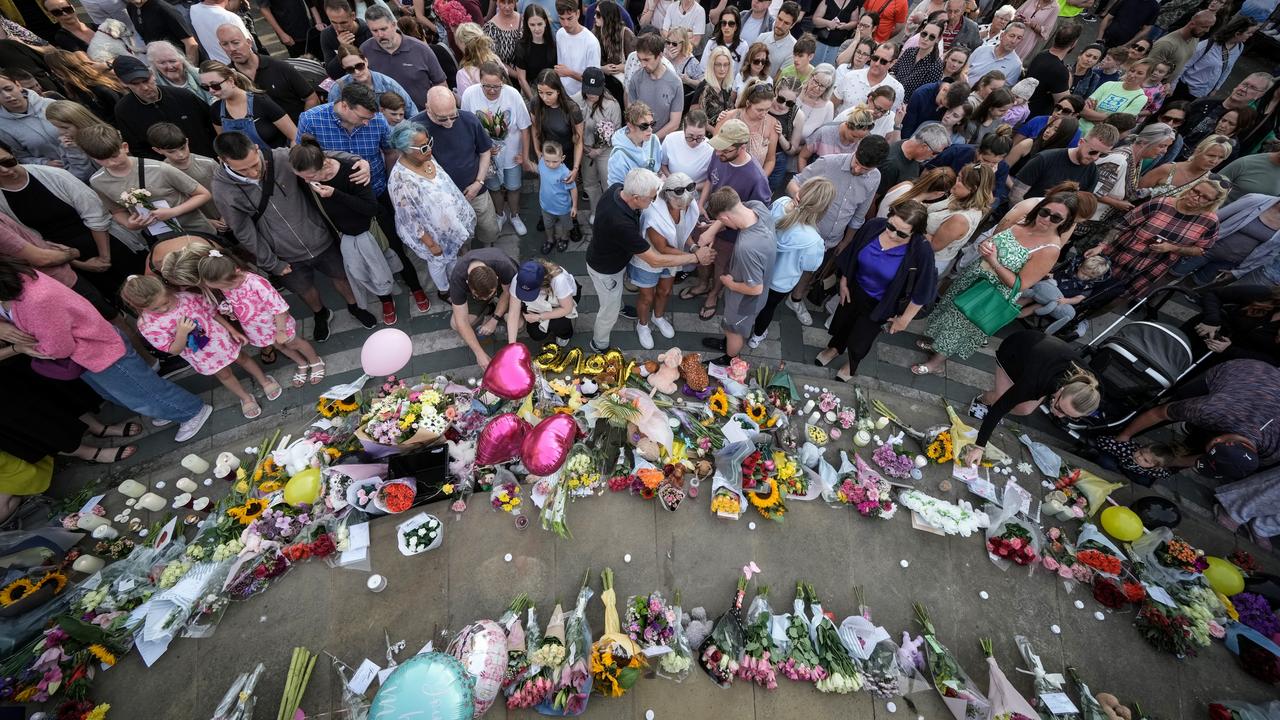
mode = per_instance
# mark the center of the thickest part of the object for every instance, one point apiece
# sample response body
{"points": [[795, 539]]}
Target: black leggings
{"points": [[561, 328], [852, 328], [766, 313], [387, 221]]}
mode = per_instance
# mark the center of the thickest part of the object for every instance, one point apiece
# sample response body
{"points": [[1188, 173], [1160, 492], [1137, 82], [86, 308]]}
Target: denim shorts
{"points": [[646, 278], [509, 179]]}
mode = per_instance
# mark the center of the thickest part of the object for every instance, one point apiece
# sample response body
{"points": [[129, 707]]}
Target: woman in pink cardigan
{"points": [[64, 327]]}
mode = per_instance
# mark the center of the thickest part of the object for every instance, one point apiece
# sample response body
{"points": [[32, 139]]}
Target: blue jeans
{"points": [[779, 172], [826, 54], [131, 383]]}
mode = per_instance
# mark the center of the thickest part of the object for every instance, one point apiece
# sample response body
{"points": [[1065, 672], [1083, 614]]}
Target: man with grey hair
{"points": [[616, 239], [408, 61], [1001, 56], [1203, 115], [907, 156]]}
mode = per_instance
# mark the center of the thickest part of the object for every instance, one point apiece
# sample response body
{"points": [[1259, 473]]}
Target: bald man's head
{"points": [[1202, 22], [442, 107], [233, 42]]}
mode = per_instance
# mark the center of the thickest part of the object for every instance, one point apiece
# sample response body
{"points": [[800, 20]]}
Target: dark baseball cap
{"points": [[593, 81], [529, 280], [1228, 460], [130, 69]]}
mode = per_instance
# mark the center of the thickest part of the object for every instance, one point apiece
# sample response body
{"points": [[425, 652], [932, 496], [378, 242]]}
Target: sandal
{"points": [[690, 293], [268, 355], [317, 373], [299, 377], [127, 430], [707, 312], [122, 452], [923, 369], [562, 245], [547, 246], [924, 345], [250, 408], [272, 389]]}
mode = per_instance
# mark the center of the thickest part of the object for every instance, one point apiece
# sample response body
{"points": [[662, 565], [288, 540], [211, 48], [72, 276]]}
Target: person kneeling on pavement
{"points": [[546, 299]]}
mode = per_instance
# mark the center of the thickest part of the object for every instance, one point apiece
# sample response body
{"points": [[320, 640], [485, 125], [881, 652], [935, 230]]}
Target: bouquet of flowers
{"points": [[1257, 654], [757, 407], [1043, 682], [553, 510], [801, 660], [875, 651], [1178, 554], [139, 200], [893, 459], [961, 696], [422, 537], [616, 659], [1084, 490], [1006, 702], [791, 478], [839, 673], [572, 678], [1012, 540], [867, 492], [1256, 612], [1202, 608], [1165, 628], [604, 134], [451, 12], [953, 519], [766, 498], [1095, 551], [758, 649], [548, 655], [581, 474], [650, 621], [1058, 556], [1116, 595], [256, 575], [495, 123], [941, 450], [505, 496], [720, 651], [403, 416], [1167, 559], [529, 685], [676, 664]]}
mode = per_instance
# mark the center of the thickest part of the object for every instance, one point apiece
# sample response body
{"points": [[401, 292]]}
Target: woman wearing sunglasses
{"points": [[754, 68], [924, 65], [726, 36], [668, 225], [1021, 255], [355, 68], [886, 275], [240, 107], [786, 111], [636, 145]]}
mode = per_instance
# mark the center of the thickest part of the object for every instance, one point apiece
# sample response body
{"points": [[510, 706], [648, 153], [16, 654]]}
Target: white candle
{"points": [[182, 501], [89, 521], [132, 488], [862, 438], [151, 502], [187, 485], [88, 564], [815, 417], [105, 532], [808, 407], [376, 583], [196, 464]]}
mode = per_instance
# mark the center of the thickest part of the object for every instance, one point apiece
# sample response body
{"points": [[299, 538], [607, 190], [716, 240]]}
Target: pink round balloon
{"points": [[386, 352], [500, 439], [546, 448], [510, 373]]}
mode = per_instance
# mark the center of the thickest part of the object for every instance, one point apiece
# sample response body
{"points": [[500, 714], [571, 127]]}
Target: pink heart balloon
{"points": [[500, 439], [545, 449], [510, 373]]}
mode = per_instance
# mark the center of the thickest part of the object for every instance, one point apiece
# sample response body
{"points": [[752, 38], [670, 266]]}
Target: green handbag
{"points": [[987, 306]]}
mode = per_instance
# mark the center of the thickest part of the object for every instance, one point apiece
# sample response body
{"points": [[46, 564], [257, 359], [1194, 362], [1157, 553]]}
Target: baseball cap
{"points": [[593, 81], [734, 132], [529, 280], [1228, 460], [129, 69]]}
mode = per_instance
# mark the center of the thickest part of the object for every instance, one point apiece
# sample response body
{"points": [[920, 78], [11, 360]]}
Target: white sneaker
{"points": [[502, 220], [518, 224], [646, 336], [663, 325], [755, 340], [562, 342], [191, 428], [592, 219], [802, 312]]}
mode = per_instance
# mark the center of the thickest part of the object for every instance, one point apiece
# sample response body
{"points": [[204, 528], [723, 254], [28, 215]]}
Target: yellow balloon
{"points": [[1122, 523], [1223, 576], [303, 488]]}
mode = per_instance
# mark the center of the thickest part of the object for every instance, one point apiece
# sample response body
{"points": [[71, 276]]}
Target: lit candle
{"points": [[195, 464], [132, 488], [88, 564], [151, 502]]}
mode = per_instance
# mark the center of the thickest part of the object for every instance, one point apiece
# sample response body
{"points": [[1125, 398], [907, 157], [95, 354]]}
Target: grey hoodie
{"points": [[290, 230], [35, 140]]}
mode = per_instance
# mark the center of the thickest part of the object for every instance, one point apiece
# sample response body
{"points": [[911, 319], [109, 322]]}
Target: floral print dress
{"points": [[434, 207], [255, 304], [210, 347], [953, 334]]}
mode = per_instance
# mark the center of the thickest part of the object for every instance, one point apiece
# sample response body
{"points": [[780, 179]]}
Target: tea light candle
{"points": [[376, 583], [808, 407], [186, 485], [182, 501], [921, 461], [89, 521], [882, 422], [195, 464], [88, 564], [830, 416], [132, 488], [105, 532], [151, 502], [201, 504], [862, 438]]}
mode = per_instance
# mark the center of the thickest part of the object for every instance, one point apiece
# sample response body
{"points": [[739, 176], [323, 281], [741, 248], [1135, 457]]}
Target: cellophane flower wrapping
{"points": [[801, 660], [1239, 710], [545, 659], [959, 693], [528, 686], [876, 654], [676, 664], [719, 653], [758, 649], [650, 621], [1043, 682], [1006, 702], [1012, 540], [1096, 551], [1152, 546], [617, 661], [572, 679], [841, 674]]}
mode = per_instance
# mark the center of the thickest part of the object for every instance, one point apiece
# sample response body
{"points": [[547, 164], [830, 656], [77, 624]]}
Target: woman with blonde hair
{"points": [[173, 69], [69, 118], [477, 49], [754, 104], [679, 51], [717, 93], [930, 187], [1172, 178], [953, 220], [86, 83], [240, 107], [800, 246]]}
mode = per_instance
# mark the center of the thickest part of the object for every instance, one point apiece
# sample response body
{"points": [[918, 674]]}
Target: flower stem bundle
{"points": [[300, 667]]}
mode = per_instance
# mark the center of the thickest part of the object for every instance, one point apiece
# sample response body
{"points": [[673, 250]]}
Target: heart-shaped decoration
{"points": [[545, 448], [510, 373], [500, 439]]}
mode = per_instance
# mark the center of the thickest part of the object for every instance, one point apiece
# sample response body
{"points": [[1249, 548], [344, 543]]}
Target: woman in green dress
{"points": [[1026, 251]]}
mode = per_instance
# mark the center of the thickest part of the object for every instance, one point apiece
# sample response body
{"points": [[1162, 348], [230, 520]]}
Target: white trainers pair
{"points": [[646, 335], [516, 223], [802, 312]]}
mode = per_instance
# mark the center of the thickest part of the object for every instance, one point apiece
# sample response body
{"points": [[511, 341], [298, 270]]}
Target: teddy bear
{"points": [[664, 380]]}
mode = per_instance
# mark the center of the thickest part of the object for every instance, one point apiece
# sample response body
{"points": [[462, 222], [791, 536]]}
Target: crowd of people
{"points": [[164, 179]]}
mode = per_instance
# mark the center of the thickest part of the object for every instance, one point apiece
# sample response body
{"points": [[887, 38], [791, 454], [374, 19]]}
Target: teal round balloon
{"points": [[431, 686]]}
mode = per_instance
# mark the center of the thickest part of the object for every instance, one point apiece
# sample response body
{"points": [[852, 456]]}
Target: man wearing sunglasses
{"points": [[856, 86], [1050, 167], [148, 104]]}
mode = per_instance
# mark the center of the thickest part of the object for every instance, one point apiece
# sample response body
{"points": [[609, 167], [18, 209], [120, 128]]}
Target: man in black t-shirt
{"points": [[294, 22], [616, 238], [276, 78], [344, 29], [483, 275], [1050, 167], [1050, 69], [148, 104], [157, 20]]}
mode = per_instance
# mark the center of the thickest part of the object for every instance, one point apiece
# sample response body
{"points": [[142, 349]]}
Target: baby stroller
{"points": [[1137, 365]]}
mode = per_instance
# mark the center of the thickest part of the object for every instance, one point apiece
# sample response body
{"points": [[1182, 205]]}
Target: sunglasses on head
{"points": [[60, 12], [353, 69], [683, 189], [859, 126], [645, 125], [9, 162], [1055, 218], [213, 87]]}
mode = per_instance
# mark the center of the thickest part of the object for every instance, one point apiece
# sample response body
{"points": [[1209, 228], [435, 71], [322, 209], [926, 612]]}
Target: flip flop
{"points": [[922, 369], [691, 293], [122, 452], [707, 312], [272, 389], [130, 429], [250, 408]]}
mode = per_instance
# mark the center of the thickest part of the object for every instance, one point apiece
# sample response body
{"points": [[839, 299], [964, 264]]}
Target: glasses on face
{"points": [[62, 11], [423, 148], [444, 119], [928, 36], [882, 60], [759, 61], [694, 139], [905, 235], [1089, 153], [728, 23], [879, 111], [1065, 110], [358, 67], [1173, 120], [9, 162], [491, 87], [673, 43], [213, 87], [682, 190], [1055, 218], [786, 102], [645, 125]]}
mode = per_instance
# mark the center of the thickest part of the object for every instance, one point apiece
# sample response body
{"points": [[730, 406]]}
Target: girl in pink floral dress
{"points": [[186, 324], [262, 312]]}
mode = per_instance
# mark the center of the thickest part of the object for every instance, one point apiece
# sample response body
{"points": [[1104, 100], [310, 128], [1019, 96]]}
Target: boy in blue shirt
{"points": [[559, 199]]}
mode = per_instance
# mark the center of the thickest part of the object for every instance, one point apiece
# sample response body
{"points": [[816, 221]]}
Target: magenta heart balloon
{"points": [[500, 439], [510, 373], [545, 449]]}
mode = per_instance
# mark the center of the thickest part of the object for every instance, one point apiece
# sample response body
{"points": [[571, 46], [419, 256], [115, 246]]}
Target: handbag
{"points": [[987, 305]]}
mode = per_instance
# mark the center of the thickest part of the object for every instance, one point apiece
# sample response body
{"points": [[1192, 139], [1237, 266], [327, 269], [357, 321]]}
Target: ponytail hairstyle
{"points": [[937, 180], [307, 155], [141, 291], [810, 205], [1082, 388], [998, 141]]}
